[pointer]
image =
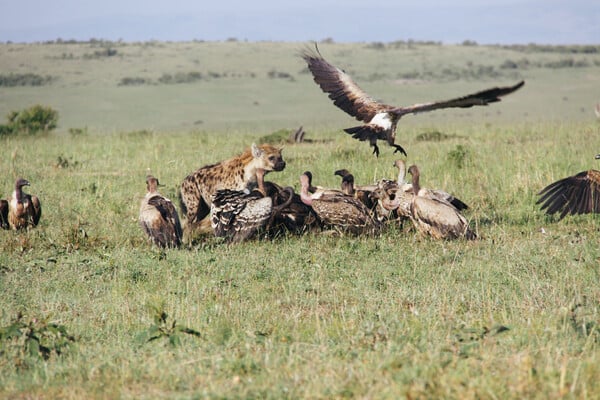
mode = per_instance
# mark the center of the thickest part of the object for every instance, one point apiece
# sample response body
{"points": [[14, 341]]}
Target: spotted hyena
{"points": [[237, 173]]}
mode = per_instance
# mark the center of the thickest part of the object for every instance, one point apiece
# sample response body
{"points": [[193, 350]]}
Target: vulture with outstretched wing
{"points": [[381, 119], [577, 194]]}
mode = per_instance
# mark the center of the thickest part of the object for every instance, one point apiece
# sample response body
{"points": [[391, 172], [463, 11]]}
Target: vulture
{"points": [[238, 215], [4, 214], [381, 119], [24, 210], [159, 218], [434, 216], [291, 215], [392, 200], [436, 193], [577, 194], [362, 193], [338, 210]]}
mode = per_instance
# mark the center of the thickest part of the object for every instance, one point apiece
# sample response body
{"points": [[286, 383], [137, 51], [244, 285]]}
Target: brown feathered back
{"points": [[158, 217], [338, 210], [436, 217], [4, 214], [577, 194], [25, 210]]}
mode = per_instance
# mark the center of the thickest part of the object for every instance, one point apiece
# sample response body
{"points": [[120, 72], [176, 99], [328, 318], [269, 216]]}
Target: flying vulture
{"points": [[381, 119], [577, 194]]}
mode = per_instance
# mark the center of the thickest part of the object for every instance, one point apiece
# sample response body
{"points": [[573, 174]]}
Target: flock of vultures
{"points": [[232, 200]]}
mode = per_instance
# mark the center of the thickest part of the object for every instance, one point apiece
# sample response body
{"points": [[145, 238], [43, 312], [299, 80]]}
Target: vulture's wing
{"points": [[37, 209], [166, 209], [345, 94], [4, 214], [238, 215], [169, 227], [577, 194], [482, 98]]}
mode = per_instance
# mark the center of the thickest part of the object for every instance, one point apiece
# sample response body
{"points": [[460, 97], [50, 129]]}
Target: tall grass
{"points": [[512, 315], [312, 316]]}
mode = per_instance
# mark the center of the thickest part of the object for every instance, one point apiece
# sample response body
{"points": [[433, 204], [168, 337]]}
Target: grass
{"points": [[512, 315]]}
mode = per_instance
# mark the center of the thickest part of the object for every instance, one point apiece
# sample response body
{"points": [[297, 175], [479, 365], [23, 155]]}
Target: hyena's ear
{"points": [[256, 151]]}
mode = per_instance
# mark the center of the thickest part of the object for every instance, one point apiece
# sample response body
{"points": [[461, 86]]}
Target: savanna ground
{"points": [[512, 315]]}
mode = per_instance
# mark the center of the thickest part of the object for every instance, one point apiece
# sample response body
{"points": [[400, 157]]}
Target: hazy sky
{"points": [[484, 21]]}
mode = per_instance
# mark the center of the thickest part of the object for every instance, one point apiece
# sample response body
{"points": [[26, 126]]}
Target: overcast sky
{"points": [[484, 21]]}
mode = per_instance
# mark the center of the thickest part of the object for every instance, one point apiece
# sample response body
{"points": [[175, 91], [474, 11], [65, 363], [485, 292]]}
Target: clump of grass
{"points": [[66, 162], [273, 74], [277, 137], [29, 339], [134, 81], [165, 328], [78, 131], [181, 77], [431, 136], [460, 156], [26, 79]]}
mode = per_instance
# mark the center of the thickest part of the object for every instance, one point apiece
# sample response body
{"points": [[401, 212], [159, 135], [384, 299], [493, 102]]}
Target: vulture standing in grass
{"points": [[338, 210], [434, 193], [24, 210], [391, 201], [434, 216], [577, 194], [362, 193], [381, 119], [238, 215], [159, 218], [4, 214]]}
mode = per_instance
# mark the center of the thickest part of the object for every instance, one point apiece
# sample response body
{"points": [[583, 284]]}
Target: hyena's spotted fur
{"points": [[237, 173]]}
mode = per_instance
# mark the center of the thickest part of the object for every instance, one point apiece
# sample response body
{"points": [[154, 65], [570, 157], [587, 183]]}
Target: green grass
{"points": [[314, 316]]}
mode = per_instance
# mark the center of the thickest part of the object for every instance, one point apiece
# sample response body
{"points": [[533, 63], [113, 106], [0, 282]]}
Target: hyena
{"points": [[237, 173]]}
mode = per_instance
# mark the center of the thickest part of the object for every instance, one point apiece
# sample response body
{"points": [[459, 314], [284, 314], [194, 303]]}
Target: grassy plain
{"points": [[312, 316]]}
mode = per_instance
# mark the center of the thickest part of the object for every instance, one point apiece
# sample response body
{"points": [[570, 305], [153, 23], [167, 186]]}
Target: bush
{"points": [[460, 156], [5, 130], [133, 81], [180, 77], [103, 53], [32, 120], [28, 79]]}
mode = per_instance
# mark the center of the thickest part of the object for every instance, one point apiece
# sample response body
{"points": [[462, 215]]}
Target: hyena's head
{"points": [[267, 157]]}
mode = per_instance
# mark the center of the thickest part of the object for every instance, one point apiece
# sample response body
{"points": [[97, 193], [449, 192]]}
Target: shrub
{"points": [[32, 120], [103, 53], [460, 156], [133, 81], [28, 79], [5, 130], [180, 77], [432, 136], [273, 74], [28, 339], [277, 137]]}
